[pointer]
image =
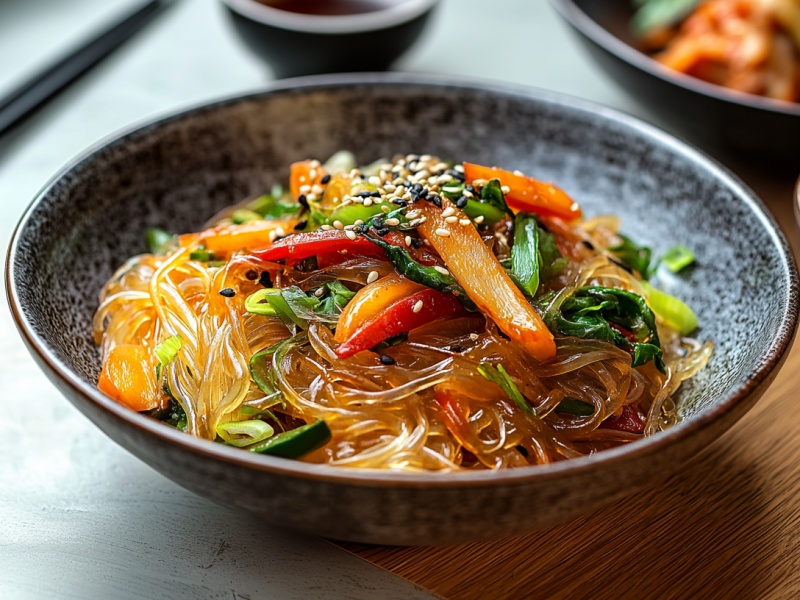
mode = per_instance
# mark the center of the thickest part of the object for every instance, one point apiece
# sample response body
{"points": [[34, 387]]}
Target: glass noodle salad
{"points": [[413, 315]]}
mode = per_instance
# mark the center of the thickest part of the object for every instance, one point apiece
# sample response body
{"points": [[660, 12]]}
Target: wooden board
{"points": [[725, 527]]}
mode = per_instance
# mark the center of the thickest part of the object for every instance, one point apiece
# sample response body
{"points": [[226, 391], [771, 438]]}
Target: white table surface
{"points": [[81, 518]]}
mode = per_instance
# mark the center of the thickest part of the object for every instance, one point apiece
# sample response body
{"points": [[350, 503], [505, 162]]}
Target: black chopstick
{"points": [[52, 79]]}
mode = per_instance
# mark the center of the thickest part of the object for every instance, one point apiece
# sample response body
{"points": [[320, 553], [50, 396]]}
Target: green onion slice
{"points": [[168, 349], [677, 258], [244, 433], [673, 311]]}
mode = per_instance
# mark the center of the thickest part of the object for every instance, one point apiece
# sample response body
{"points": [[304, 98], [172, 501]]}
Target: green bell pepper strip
{"points": [[296, 442]]}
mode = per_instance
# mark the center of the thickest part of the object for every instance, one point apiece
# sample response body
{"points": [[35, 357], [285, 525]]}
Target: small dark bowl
{"points": [[757, 128], [298, 44], [176, 171]]}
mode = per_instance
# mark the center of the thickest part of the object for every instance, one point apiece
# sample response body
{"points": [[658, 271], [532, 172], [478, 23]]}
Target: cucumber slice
{"points": [[297, 442]]}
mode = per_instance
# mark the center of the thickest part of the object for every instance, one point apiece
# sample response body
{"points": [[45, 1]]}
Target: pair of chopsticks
{"points": [[48, 82]]}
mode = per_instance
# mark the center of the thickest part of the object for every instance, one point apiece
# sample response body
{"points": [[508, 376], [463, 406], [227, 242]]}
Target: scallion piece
{"points": [[244, 433], [673, 311], [158, 240], [677, 258], [499, 376], [168, 349]]}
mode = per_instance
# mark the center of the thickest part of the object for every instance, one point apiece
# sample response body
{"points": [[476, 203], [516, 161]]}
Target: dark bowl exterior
{"points": [[717, 118], [293, 53], [177, 171]]}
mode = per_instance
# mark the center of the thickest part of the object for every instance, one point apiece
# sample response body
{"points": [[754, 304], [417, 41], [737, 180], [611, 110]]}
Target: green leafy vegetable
{"points": [[591, 311], [351, 213], [389, 342], [296, 442], [270, 302], [294, 307], [657, 14], [633, 256], [244, 433], [173, 415], [534, 256], [503, 379], [673, 311], [573, 406], [550, 262], [492, 194], [243, 215], [336, 297], [203, 255], [159, 242], [677, 258], [270, 207]]}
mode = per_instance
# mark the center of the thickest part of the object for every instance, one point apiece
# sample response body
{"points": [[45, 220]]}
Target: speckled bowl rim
{"points": [[368, 478], [627, 53]]}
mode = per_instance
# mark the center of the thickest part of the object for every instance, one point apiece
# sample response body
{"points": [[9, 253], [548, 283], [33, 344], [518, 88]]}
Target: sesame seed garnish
{"points": [[301, 224], [425, 157], [316, 190], [473, 336], [444, 178], [325, 178], [574, 206], [227, 292], [459, 168], [326, 228], [422, 220], [479, 182], [375, 180], [464, 222], [279, 231], [448, 211], [272, 235], [422, 174], [348, 227], [468, 194], [442, 232], [519, 173], [387, 360], [451, 219], [462, 202], [408, 240], [412, 214], [373, 276], [304, 189], [367, 201], [442, 270], [338, 225], [417, 306], [505, 189], [440, 166], [302, 200], [478, 220], [319, 292], [312, 197], [358, 222], [398, 181], [386, 167], [314, 164], [312, 174], [386, 209], [350, 235], [392, 222]]}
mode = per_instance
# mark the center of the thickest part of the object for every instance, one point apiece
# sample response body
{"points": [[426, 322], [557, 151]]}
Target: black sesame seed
{"points": [[457, 174], [414, 196], [462, 202], [325, 178], [378, 223], [363, 176], [437, 202], [522, 450], [412, 158], [382, 231], [227, 292], [375, 194], [457, 349], [416, 243], [301, 224], [251, 275], [423, 194], [302, 200], [417, 187], [399, 202], [589, 245], [364, 194], [265, 279], [387, 360]]}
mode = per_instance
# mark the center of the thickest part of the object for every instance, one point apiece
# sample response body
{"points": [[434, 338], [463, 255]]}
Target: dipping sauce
{"points": [[329, 7]]}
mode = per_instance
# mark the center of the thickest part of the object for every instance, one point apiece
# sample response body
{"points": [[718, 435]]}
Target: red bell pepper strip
{"points": [[527, 193], [631, 420], [400, 318], [303, 245]]}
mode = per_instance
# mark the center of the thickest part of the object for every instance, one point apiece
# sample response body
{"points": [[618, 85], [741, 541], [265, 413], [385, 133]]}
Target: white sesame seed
{"points": [[479, 182], [442, 270], [574, 206], [357, 199], [473, 336], [398, 181], [478, 219], [350, 235], [448, 211], [422, 220], [319, 292], [423, 174], [314, 164], [464, 222], [367, 201], [468, 194], [312, 174], [425, 157], [451, 189], [355, 173], [392, 222], [316, 189], [414, 223], [305, 189], [346, 198], [326, 228], [459, 168], [280, 232], [373, 276], [272, 236], [302, 177], [406, 196], [390, 188], [336, 201], [520, 173], [442, 232], [451, 219], [348, 227], [338, 225], [358, 222], [311, 197], [417, 306], [440, 166], [408, 240], [386, 167], [375, 180], [505, 189], [386, 209]]}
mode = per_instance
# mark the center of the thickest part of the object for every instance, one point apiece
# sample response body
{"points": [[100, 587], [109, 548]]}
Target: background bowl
{"points": [[175, 172], [297, 44], [759, 128]]}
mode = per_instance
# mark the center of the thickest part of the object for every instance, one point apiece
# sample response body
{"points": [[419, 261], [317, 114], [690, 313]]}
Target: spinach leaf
{"points": [[334, 298], [591, 312], [634, 256], [550, 259], [535, 257], [573, 406], [492, 194]]}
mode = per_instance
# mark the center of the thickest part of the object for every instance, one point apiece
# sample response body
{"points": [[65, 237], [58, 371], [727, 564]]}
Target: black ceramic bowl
{"points": [[716, 117], [299, 44], [176, 171]]}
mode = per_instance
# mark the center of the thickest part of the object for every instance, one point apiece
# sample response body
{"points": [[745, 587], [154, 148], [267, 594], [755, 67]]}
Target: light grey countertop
{"points": [[81, 518]]}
